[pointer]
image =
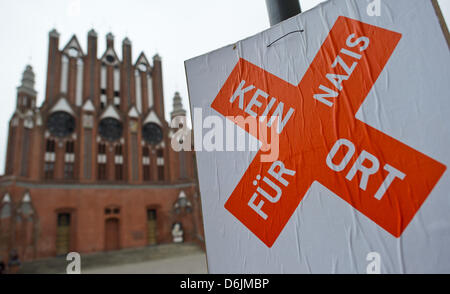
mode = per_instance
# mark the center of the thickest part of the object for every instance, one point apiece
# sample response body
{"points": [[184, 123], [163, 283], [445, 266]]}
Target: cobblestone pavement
{"points": [[190, 264], [167, 258]]}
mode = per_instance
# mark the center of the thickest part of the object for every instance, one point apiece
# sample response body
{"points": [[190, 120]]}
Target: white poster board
{"points": [[355, 180]]}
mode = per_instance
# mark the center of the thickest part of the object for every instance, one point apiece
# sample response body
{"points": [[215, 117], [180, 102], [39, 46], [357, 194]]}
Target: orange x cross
{"points": [[321, 140]]}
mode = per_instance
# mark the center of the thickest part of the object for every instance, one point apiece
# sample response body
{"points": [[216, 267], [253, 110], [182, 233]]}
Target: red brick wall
{"points": [[87, 207]]}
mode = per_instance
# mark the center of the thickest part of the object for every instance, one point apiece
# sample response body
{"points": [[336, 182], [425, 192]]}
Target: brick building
{"points": [[92, 168]]}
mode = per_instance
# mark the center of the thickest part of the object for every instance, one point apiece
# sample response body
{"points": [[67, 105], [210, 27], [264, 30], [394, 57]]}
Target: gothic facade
{"points": [[92, 168]]}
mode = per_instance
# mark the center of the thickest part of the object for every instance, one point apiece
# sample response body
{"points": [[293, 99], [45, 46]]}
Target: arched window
{"points": [[160, 164], [5, 211], [26, 208], [146, 163], [101, 161], [103, 80], [64, 73], [118, 162], [69, 160], [117, 87], [79, 83], [49, 162]]}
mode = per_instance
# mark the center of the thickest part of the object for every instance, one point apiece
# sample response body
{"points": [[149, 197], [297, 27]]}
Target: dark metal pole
{"points": [[280, 10], [441, 21]]}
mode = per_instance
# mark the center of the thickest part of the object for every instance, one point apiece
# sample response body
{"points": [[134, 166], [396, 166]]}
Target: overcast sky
{"points": [[177, 30]]}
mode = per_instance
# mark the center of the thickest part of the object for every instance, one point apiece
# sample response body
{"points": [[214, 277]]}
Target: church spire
{"points": [[28, 81], [178, 109], [26, 94]]}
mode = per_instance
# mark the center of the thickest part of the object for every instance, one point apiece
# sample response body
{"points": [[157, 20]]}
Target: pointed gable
{"points": [[73, 48], [26, 198], [133, 112], [88, 106], [152, 117], [142, 63], [110, 57], [110, 111], [6, 198], [62, 105]]}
